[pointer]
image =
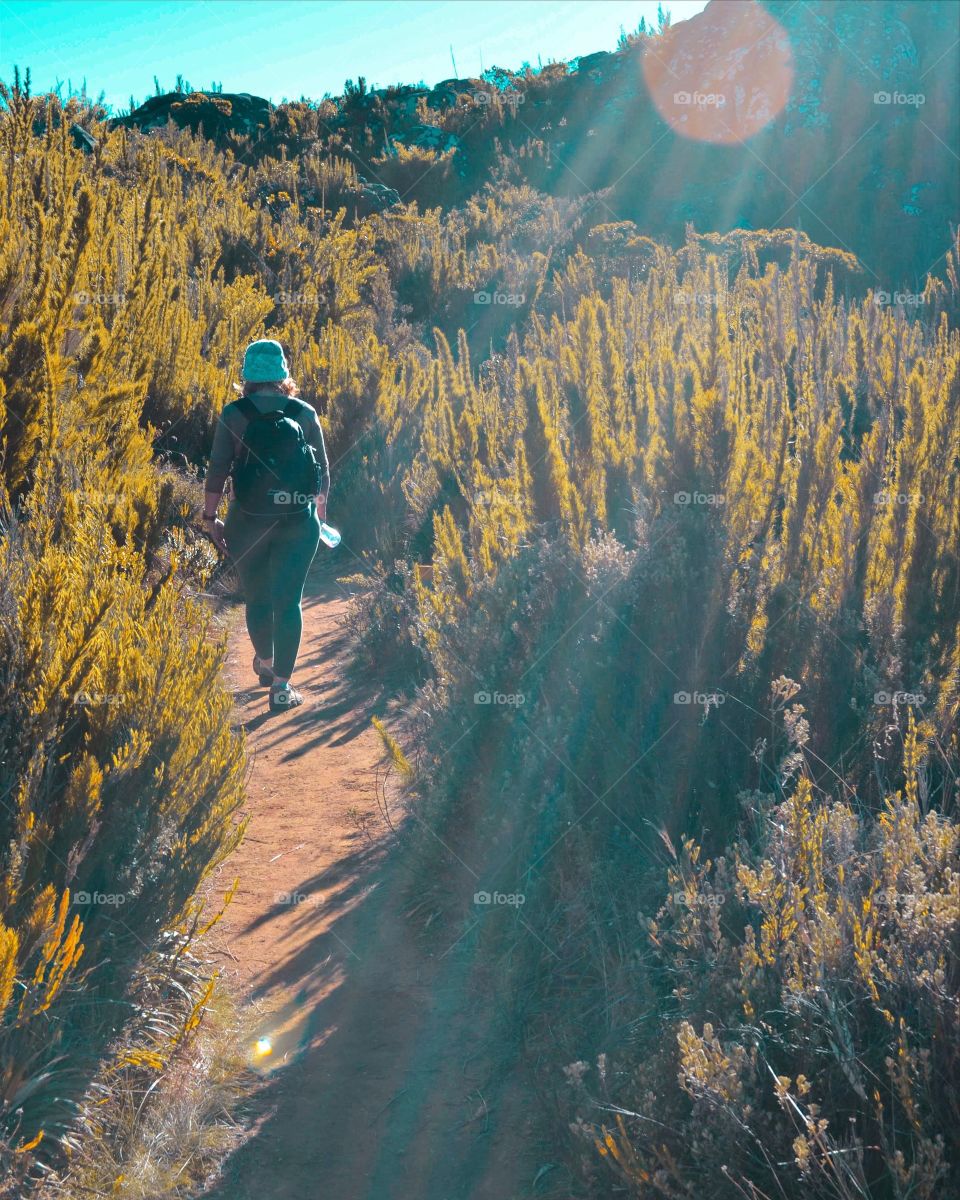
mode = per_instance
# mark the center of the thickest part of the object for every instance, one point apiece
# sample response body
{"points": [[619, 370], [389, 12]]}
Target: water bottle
{"points": [[328, 535]]}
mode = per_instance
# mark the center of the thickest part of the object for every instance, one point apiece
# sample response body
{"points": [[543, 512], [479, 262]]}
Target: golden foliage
{"points": [[120, 771], [837, 944]]}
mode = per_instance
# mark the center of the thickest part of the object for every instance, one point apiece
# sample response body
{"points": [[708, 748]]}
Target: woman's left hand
{"points": [[321, 503], [215, 532]]}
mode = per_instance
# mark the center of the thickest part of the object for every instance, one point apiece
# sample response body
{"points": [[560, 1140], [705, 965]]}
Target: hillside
{"points": [[847, 109], [649, 487]]}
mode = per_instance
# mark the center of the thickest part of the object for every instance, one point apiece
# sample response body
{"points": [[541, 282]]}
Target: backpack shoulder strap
{"points": [[247, 407], [292, 409]]}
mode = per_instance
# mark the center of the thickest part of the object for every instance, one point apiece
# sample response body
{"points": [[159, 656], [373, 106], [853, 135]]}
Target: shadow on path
{"points": [[378, 1083]]}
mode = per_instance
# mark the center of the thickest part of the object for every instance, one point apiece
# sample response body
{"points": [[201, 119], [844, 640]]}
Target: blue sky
{"points": [[289, 48]]}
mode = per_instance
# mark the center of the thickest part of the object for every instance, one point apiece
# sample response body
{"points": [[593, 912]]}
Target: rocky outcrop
{"points": [[428, 137], [597, 64], [360, 201], [216, 112], [377, 195], [448, 92]]}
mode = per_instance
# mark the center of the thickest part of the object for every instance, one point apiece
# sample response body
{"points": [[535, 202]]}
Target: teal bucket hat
{"points": [[264, 362]]}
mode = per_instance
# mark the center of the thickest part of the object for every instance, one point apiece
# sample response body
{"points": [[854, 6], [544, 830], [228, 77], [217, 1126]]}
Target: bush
{"points": [[808, 1018], [120, 773]]}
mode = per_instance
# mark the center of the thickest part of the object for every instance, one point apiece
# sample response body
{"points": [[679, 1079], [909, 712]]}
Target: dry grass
{"points": [[145, 1135]]}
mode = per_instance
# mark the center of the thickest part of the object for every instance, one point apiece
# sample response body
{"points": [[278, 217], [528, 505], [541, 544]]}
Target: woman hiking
{"points": [[272, 444]]}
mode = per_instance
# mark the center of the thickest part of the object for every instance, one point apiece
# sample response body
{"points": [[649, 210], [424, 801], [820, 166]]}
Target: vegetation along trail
{"points": [[365, 1032]]}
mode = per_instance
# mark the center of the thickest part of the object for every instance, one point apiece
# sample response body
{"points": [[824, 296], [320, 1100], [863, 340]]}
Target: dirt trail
{"points": [[375, 1087]]}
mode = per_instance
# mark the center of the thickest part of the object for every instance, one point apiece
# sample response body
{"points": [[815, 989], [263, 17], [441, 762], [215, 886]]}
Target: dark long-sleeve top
{"points": [[228, 434]]}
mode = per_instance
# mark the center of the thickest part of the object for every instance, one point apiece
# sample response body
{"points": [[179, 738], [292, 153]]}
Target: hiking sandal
{"points": [[264, 674], [283, 696]]}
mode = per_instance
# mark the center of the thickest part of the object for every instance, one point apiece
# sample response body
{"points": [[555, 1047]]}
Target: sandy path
{"points": [[375, 1087]]}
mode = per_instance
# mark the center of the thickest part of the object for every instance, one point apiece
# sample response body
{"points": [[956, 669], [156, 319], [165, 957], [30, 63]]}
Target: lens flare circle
{"points": [[722, 76]]}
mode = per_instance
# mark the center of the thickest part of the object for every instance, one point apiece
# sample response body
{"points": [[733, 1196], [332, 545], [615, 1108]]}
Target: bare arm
{"points": [[314, 436], [221, 459]]}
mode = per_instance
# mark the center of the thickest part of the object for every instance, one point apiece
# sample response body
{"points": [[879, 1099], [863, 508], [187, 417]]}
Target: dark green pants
{"points": [[272, 556]]}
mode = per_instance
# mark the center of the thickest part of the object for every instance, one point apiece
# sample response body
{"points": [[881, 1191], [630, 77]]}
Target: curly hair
{"points": [[286, 387]]}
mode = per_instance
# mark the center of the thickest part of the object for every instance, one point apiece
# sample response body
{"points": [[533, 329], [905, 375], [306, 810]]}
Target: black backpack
{"points": [[276, 473]]}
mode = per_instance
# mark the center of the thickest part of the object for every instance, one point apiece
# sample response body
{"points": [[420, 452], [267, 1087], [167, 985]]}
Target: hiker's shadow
{"points": [[369, 1009], [335, 719], [322, 720], [256, 722], [327, 898]]}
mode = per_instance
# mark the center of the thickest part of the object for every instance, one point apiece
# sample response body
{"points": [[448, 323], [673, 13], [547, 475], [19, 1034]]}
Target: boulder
{"points": [[78, 135], [446, 93], [217, 112], [429, 137], [81, 139], [590, 63], [407, 101], [386, 195], [364, 200]]}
